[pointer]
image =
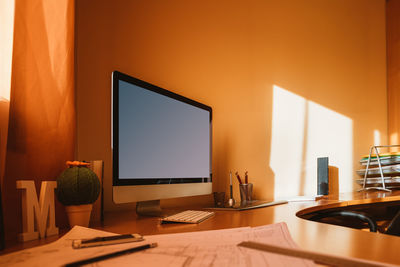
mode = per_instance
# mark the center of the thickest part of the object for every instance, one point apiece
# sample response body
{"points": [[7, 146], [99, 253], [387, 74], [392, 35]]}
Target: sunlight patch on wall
{"points": [[288, 118], [377, 138], [302, 131], [394, 139]]}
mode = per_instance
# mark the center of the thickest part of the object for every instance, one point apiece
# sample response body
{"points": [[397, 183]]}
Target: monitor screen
{"points": [[158, 137]]}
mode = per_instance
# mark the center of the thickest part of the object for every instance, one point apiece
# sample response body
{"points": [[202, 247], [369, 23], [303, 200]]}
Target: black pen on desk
{"points": [[110, 255]]}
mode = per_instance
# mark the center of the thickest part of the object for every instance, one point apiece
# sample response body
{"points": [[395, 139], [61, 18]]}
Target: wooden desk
{"points": [[308, 235]]}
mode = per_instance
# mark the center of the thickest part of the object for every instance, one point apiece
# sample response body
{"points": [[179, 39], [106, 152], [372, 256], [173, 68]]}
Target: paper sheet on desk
{"points": [[219, 247], [60, 252], [207, 248]]}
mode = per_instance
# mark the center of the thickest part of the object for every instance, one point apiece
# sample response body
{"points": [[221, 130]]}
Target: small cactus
{"points": [[77, 185]]}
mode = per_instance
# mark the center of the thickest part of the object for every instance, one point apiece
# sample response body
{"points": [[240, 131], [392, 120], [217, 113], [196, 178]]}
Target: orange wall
{"points": [[393, 69], [328, 56]]}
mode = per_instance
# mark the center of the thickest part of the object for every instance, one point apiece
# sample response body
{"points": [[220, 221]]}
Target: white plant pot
{"points": [[79, 214]]}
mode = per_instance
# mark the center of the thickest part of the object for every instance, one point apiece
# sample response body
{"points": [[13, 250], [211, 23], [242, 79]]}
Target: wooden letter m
{"points": [[42, 210]]}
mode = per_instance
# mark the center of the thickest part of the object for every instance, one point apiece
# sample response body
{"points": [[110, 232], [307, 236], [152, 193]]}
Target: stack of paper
{"points": [[389, 169], [386, 159]]}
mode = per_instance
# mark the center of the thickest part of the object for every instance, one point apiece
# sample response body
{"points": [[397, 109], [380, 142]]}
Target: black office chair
{"points": [[392, 229], [394, 226], [349, 214]]}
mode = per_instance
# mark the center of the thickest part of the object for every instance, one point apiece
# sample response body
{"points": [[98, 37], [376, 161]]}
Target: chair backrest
{"points": [[349, 214], [394, 226]]}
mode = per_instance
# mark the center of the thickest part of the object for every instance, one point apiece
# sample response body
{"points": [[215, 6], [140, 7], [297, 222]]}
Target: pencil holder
{"points": [[219, 199], [246, 192]]}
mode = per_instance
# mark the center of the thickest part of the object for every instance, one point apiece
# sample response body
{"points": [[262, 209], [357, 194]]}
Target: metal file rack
{"points": [[382, 182]]}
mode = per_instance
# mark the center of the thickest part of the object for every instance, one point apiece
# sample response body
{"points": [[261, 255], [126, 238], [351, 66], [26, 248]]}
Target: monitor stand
{"points": [[149, 208]]}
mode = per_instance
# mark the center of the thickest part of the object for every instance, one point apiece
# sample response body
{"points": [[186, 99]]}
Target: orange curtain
{"points": [[41, 132], [393, 70]]}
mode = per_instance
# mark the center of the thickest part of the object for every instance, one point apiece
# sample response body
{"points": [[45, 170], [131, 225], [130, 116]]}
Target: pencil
{"points": [[311, 255], [110, 255]]}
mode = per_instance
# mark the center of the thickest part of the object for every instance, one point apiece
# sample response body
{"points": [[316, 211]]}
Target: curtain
{"points": [[6, 41], [41, 129]]}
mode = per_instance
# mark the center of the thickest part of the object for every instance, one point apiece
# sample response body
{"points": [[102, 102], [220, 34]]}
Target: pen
{"points": [[238, 177], [111, 255], [231, 201], [246, 178], [230, 185], [107, 240]]}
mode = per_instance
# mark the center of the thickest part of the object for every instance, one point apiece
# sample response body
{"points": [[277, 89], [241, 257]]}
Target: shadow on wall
{"points": [[302, 131]]}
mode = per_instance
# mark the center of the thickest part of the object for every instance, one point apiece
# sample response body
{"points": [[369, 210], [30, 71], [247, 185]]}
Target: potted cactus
{"points": [[78, 188]]}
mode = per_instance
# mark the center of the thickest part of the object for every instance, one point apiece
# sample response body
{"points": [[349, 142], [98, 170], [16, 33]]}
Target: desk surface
{"points": [[308, 235]]}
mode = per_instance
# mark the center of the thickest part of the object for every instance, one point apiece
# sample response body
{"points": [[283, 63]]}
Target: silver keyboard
{"points": [[188, 216]]}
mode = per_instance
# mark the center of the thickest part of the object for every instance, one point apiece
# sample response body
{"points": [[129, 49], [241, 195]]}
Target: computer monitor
{"points": [[161, 144]]}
